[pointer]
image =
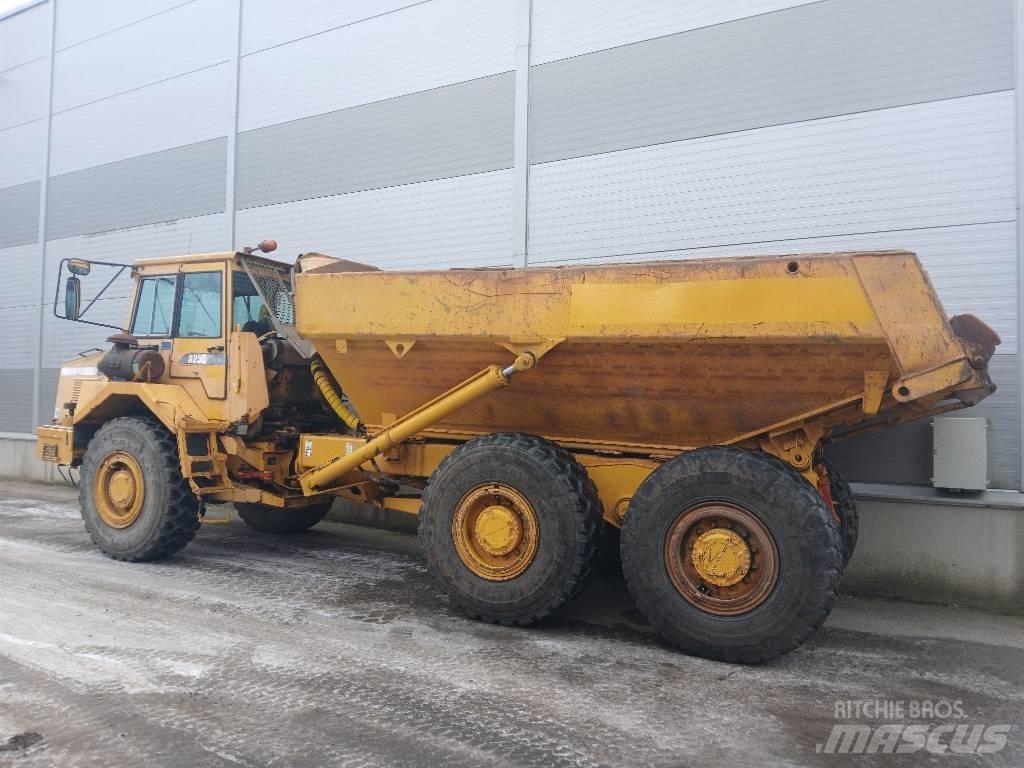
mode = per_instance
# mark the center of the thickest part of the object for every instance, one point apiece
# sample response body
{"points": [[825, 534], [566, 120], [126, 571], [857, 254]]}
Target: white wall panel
{"points": [[25, 36], [266, 23], [563, 28], [927, 165], [63, 339], [23, 93], [22, 153], [80, 20], [187, 38], [20, 303], [173, 113], [463, 221], [424, 46]]}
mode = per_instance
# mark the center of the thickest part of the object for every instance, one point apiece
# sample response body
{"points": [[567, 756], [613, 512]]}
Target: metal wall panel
{"points": [[16, 402], [20, 305], [424, 46], [173, 184], [19, 214], [463, 221], [564, 28], [24, 37], [184, 39], [184, 110], [23, 93], [812, 61], [22, 153], [63, 339], [929, 165], [81, 20], [266, 23], [452, 131]]}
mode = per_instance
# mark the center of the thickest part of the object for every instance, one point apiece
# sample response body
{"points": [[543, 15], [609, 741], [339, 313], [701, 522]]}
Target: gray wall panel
{"points": [[818, 60], [16, 400], [904, 454], [48, 378], [173, 184], [451, 131], [19, 214]]}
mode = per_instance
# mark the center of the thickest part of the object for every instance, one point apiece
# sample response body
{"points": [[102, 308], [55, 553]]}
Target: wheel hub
{"points": [[118, 489], [495, 531], [721, 557], [498, 530]]}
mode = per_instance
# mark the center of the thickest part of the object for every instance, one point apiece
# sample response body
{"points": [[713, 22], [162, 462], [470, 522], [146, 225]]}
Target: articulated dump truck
{"points": [[521, 414]]}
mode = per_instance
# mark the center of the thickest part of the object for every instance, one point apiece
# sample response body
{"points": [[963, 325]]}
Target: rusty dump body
{"points": [[654, 358]]}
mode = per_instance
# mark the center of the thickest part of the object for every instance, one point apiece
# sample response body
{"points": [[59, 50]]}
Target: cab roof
{"points": [[194, 258]]}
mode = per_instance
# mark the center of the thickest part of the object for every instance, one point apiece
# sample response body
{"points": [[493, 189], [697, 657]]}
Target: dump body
{"points": [[648, 358]]}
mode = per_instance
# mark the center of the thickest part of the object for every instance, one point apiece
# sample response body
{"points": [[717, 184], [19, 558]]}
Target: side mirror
{"points": [[79, 267], [72, 298]]}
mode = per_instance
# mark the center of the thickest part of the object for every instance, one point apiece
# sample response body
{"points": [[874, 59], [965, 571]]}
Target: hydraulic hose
{"points": [[332, 394]]}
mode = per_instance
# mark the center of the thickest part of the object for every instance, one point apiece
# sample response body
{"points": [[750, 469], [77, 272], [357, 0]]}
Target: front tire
{"points": [[510, 527], [731, 554], [135, 503], [267, 519]]}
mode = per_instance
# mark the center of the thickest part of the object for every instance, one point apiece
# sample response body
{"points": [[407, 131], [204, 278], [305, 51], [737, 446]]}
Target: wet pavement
{"points": [[334, 648]]}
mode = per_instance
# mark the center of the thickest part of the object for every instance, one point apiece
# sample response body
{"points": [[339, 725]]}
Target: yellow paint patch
{"points": [[726, 302]]}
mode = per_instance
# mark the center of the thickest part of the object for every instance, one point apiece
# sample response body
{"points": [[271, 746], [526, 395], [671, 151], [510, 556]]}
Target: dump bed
{"points": [[652, 357]]}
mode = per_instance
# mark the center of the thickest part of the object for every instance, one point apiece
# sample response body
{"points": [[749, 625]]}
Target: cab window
{"points": [[247, 308], [199, 313], [155, 306]]}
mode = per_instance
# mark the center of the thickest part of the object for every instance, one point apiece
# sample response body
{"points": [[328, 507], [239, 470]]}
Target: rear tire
{"points": [[779, 576], [510, 527], [134, 501], [846, 508], [266, 519]]}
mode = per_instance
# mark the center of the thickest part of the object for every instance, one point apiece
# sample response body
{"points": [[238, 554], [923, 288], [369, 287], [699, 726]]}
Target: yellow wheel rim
{"points": [[721, 558], [119, 489], [495, 532]]}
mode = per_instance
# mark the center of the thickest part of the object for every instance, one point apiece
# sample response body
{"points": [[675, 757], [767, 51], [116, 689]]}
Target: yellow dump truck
{"points": [[521, 414]]}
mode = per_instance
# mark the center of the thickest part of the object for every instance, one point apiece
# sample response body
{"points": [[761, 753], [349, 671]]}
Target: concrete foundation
{"points": [[915, 544]]}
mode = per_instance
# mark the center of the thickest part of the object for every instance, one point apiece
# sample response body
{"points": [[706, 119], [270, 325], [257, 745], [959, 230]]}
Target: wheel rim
{"points": [[119, 489], [495, 532], [721, 558]]}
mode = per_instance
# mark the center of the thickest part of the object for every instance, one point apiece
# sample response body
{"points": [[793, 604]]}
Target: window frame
{"points": [[180, 295], [174, 308]]}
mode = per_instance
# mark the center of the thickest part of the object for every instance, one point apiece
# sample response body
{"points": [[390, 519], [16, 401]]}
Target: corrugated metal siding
{"points": [[266, 23], [462, 221], [453, 131], [81, 20], [425, 46], [22, 153], [23, 94], [25, 37], [16, 386], [19, 214], [62, 339], [185, 110], [187, 38], [564, 28], [19, 304], [808, 62], [173, 184], [928, 165]]}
